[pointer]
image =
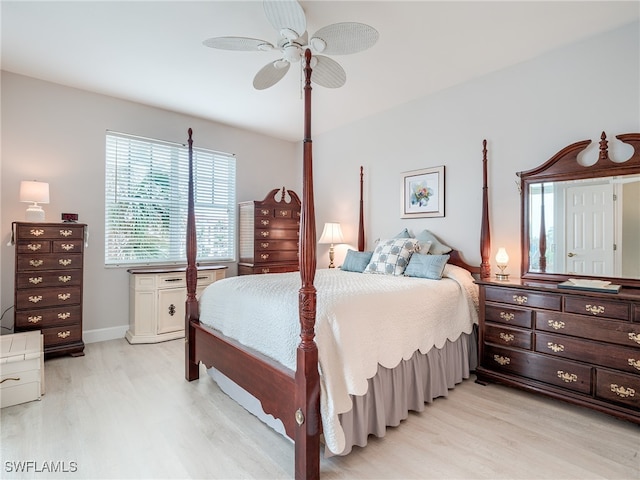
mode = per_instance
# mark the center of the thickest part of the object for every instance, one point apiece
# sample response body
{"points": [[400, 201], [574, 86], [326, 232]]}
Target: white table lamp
{"points": [[34, 192], [332, 233]]}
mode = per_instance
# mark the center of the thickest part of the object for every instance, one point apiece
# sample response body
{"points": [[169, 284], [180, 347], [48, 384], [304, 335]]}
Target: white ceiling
{"points": [[151, 52]]}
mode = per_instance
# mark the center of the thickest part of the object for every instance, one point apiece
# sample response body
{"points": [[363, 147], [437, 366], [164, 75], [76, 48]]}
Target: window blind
{"points": [[146, 191]]}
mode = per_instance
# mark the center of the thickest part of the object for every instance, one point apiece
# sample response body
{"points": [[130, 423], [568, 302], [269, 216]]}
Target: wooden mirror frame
{"points": [[564, 166]]}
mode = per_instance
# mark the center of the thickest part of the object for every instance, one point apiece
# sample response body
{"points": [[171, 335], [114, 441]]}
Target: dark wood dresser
{"points": [[579, 346], [269, 233], [48, 284]]}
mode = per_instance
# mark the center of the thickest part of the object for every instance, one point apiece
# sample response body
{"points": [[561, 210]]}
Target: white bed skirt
{"points": [[392, 393]]}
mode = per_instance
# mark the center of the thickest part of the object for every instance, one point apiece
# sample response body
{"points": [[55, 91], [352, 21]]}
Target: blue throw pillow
{"points": [[403, 234], [426, 266], [356, 261], [436, 248]]}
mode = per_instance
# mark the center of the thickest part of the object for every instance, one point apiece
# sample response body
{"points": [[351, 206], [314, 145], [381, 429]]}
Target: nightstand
{"points": [[21, 368]]}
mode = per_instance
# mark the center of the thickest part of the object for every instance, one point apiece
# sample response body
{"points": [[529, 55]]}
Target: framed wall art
{"points": [[423, 193]]}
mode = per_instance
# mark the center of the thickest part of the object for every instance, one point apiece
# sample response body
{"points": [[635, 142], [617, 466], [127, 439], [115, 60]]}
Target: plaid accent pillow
{"points": [[391, 257]]}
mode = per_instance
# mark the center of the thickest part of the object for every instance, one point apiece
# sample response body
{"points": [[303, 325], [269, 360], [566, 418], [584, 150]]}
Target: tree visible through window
{"points": [[146, 191]]}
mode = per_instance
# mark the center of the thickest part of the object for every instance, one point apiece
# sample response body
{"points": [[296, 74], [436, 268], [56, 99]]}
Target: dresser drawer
{"points": [[554, 371], [56, 261], [47, 297], [276, 245], [34, 246], [61, 335], [49, 317], [597, 307], [597, 353], [618, 388], [268, 257], [523, 298], [268, 222], [250, 269], [67, 232], [67, 246], [511, 316], [48, 279], [622, 333], [510, 337], [282, 234]]}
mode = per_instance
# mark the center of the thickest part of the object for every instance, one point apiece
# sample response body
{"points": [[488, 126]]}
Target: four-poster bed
{"points": [[291, 394]]}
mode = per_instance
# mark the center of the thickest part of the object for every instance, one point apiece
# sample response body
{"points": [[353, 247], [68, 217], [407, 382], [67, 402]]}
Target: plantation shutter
{"points": [[146, 190]]}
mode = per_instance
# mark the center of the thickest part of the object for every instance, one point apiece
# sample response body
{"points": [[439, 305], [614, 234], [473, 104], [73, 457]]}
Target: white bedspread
{"points": [[362, 320]]}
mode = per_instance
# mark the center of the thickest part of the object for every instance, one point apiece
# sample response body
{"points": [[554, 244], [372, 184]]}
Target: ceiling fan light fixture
{"points": [[317, 44], [292, 53]]}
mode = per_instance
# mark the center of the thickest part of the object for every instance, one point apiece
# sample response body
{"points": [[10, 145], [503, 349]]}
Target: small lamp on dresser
{"points": [[331, 234], [34, 192], [502, 260]]}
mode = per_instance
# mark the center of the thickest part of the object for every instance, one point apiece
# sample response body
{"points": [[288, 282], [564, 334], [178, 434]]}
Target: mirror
{"points": [[583, 221]]}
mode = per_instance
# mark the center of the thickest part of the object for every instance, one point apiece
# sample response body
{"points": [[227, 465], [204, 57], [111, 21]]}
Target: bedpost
{"points": [[307, 415], [191, 305], [361, 222], [485, 236]]}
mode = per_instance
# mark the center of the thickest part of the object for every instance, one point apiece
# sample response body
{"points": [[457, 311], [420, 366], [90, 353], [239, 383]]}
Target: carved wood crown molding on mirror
{"points": [[582, 221]]}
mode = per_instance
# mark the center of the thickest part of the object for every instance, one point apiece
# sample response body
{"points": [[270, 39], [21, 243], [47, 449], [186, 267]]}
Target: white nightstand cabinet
{"points": [[156, 301]]}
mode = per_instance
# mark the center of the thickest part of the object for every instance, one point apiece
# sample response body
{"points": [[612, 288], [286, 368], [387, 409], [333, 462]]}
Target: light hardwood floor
{"points": [[125, 411]]}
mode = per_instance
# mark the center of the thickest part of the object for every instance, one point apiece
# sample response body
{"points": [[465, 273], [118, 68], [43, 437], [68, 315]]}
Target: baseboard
{"points": [[104, 334]]}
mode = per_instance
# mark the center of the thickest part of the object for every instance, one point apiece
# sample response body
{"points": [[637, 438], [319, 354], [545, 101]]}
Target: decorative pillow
{"points": [[391, 257], [423, 248], [426, 266], [437, 248], [403, 234], [356, 261]]}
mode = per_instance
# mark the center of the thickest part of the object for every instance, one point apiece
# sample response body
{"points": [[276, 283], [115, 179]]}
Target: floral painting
{"points": [[423, 193]]}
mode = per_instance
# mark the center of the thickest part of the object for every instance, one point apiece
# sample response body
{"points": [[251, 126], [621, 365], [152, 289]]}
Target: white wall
{"points": [[527, 113], [57, 134]]}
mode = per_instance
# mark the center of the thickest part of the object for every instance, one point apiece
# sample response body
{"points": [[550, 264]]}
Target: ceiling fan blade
{"points": [[238, 43], [286, 16], [270, 74], [344, 38], [328, 73]]}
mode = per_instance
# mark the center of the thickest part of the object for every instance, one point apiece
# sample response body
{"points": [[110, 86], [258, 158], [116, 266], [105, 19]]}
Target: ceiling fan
{"points": [[288, 18]]}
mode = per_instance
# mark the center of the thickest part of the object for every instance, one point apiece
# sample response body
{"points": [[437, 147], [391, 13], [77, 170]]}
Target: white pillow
{"points": [[391, 257]]}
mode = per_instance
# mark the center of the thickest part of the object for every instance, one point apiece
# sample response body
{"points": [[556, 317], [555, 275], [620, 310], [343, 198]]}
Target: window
{"points": [[146, 201]]}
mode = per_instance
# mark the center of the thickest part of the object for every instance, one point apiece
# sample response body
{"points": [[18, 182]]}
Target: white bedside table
{"points": [[21, 368]]}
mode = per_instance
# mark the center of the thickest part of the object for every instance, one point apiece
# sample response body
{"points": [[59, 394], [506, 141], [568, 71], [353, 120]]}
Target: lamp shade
{"points": [[332, 233], [34, 192], [501, 257]]}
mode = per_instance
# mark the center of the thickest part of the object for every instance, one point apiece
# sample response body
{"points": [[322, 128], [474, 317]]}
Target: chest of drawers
{"points": [[48, 284], [269, 234], [581, 347]]}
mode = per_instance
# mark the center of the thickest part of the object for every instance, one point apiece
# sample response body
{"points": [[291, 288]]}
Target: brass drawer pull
{"points": [[520, 299], [66, 233], [264, 256], [10, 378], [594, 309], [34, 319], [264, 222], [634, 337], [64, 334], [265, 270], [36, 232], [264, 244], [507, 317], [36, 263], [264, 234], [35, 298], [622, 391], [64, 315], [64, 278], [67, 246], [284, 213], [502, 360], [64, 296], [265, 212], [65, 262], [34, 247], [556, 347], [507, 337], [634, 363], [35, 280], [556, 325], [567, 377]]}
